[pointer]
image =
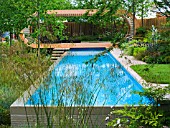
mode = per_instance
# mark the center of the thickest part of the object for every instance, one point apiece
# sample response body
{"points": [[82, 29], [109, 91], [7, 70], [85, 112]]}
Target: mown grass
{"points": [[154, 73]]}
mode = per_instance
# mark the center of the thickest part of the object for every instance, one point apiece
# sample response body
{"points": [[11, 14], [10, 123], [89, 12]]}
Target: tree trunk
{"points": [[10, 39], [142, 14], [133, 9], [38, 24]]}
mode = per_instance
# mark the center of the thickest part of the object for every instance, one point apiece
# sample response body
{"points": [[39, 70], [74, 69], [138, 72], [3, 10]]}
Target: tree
{"points": [[107, 17], [12, 18], [143, 8], [46, 25], [18, 14], [163, 7], [137, 7], [85, 4]]}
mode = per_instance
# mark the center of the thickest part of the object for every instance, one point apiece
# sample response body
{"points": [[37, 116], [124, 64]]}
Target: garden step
{"points": [[60, 49], [56, 55], [55, 58], [58, 52]]}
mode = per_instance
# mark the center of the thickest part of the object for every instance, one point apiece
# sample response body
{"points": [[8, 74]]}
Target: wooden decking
{"points": [[74, 45]]}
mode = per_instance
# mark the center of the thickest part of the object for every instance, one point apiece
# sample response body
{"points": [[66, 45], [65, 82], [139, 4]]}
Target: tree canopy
{"points": [[163, 7], [16, 14]]}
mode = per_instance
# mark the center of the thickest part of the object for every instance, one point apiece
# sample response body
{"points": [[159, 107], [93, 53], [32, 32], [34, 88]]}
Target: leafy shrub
{"points": [[157, 53], [128, 47], [130, 50], [148, 59], [141, 31], [147, 116], [165, 32], [148, 37], [137, 117], [86, 38], [139, 52], [4, 116], [167, 59], [158, 49], [8, 96], [132, 42]]}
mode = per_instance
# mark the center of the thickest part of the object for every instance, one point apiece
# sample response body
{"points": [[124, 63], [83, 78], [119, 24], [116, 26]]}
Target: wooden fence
{"points": [[79, 29], [157, 22]]}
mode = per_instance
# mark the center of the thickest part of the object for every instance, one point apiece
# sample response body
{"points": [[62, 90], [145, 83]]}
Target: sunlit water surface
{"points": [[100, 82]]}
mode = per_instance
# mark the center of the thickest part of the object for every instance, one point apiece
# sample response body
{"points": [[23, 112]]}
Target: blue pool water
{"points": [[100, 82]]}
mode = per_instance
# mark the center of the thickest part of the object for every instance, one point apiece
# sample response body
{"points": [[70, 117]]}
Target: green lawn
{"points": [[155, 73]]}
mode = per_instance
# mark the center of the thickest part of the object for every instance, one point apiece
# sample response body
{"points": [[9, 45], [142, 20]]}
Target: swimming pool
{"points": [[80, 91], [80, 79]]}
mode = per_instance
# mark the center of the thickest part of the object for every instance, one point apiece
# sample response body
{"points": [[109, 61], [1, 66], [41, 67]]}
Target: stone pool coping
{"points": [[126, 62]]}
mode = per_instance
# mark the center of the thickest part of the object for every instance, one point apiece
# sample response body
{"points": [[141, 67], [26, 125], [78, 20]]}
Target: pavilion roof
{"points": [[68, 13]]}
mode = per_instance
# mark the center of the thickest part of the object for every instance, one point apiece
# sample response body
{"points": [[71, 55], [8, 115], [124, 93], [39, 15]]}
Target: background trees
{"points": [[18, 14], [13, 16], [163, 7]]}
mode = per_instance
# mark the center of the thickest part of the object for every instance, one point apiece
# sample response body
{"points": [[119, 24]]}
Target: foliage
{"points": [[141, 31], [52, 28], [19, 14], [106, 17], [12, 17], [85, 4], [144, 115], [130, 50], [137, 116], [15, 14], [148, 36], [165, 32], [163, 7], [159, 52], [139, 52], [154, 48], [19, 68]]}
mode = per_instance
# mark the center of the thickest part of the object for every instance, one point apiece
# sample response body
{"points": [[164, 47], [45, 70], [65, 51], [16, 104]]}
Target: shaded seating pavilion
{"points": [[68, 13], [45, 42], [78, 29]]}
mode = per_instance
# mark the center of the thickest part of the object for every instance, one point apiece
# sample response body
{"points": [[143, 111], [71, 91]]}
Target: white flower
{"points": [[107, 118], [118, 121], [111, 112]]}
